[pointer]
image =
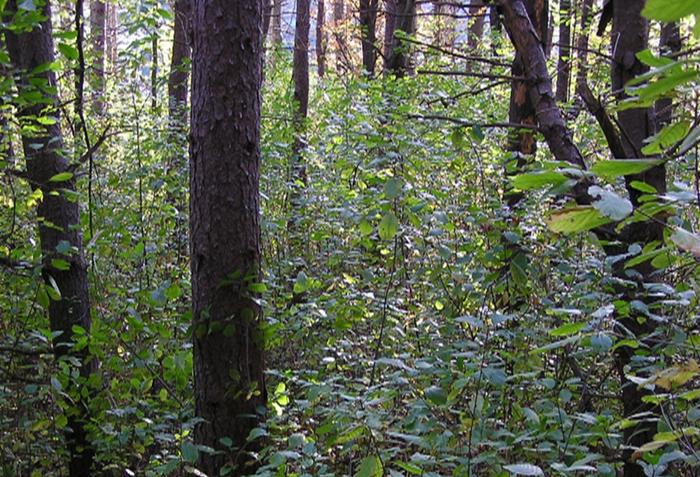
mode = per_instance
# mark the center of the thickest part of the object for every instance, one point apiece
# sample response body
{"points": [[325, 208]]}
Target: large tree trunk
{"points": [[368, 23], [179, 72], [321, 39], [225, 229], [58, 232], [564, 62], [399, 58], [97, 35]]}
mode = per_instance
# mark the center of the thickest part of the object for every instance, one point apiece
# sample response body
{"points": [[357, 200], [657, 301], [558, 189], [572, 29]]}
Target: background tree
{"points": [[368, 24], [225, 245]]}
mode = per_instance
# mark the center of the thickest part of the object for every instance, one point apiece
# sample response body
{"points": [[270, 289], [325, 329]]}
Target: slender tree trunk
{"points": [[277, 22], [399, 59], [340, 47], [368, 23], [389, 28], [267, 15], [179, 71], [111, 36], [225, 229], [321, 39], [97, 35], [154, 70], [477, 19], [300, 75], [58, 232], [670, 43], [582, 44], [564, 62]]}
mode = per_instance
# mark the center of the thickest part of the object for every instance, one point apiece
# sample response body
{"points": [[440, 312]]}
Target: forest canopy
{"points": [[349, 238]]}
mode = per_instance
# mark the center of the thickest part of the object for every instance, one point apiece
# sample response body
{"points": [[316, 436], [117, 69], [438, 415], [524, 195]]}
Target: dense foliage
{"points": [[415, 323]]}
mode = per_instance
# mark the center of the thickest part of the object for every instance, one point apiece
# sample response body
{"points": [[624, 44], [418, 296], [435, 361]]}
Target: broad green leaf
{"points": [[61, 177], [68, 51], [576, 219], [623, 167], [189, 452], [666, 138], [670, 10], [537, 180], [568, 329], [690, 140], [658, 88], [610, 204], [436, 395], [524, 469], [410, 468], [392, 188], [388, 226], [686, 241], [371, 466]]}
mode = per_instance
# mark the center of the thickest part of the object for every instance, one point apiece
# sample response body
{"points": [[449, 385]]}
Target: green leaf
{"points": [[436, 395], [576, 219], [537, 180], [60, 264], [371, 466], [610, 204], [68, 51], [524, 469], [623, 167], [392, 188], [189, 452], [410, 468], [686, 241], [690, 139], [666, 138], [61, 177], [301, 284], [660, 87], [670, 10], [568, 329], [388, 226]]}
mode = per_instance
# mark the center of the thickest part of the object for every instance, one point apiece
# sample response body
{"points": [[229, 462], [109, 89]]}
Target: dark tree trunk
{"points": [[225, 229], [670, 43], [179, 71], [97, 35], [300, 75], [321, 39], [341, 54], [277, 22], [389, 28], [582, 44], [564, 61], [368, 23], [399, 59], [58, 227], [154, 70], [477, 19]]}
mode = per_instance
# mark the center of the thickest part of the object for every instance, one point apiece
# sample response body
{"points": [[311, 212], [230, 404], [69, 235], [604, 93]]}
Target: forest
{"points": [[362, 238]]}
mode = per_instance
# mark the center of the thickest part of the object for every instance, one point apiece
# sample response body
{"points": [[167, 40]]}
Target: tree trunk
{"points": [[389, 28], [154, 70], [564, 62], [399, 59], [477, 19], [582, 45], [341, 54], [300, 75], [368, 23], [111, 35], [179, 71], [321, 39], [97, 35], [58, 231], [267, 15], [225, 229], [277, 22]]}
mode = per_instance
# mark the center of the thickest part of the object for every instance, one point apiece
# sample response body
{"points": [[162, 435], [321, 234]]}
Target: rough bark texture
{"points": [[389, 28], [368, 24], [582, 43], [58, 226], [267, 15], [564, 62], [179, 71], [670, 43], [399, 59], [300, 76], [111, 35], [341, 53], [98, 25], [321, 38], [475, 33], [225, 228]]}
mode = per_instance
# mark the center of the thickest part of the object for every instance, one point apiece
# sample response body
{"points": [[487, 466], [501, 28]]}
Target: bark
{"points": [[341, 54], [277, 22], [97, 36], [389, 28], [321, 39], [225, 229], [300, 76], [564, 62], [58, 226], [399, 59], [368, 24], [154, 70], [267, 15], [582, 43], [475, 33], [670, 43], [179, 70], [111, 35]]}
